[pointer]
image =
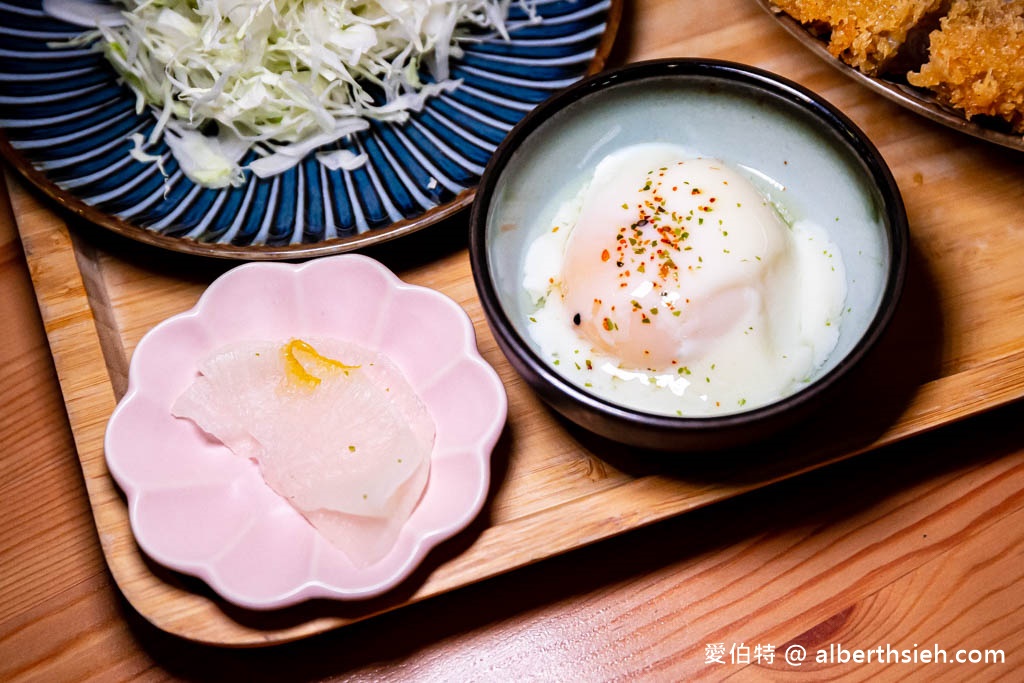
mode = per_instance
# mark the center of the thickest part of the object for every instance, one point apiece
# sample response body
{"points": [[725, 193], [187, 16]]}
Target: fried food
{"points": [[977, 60], [866, 34], [969, 53]]}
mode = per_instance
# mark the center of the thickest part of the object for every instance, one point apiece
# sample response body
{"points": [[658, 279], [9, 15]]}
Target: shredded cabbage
{"points": [[284, 76]]}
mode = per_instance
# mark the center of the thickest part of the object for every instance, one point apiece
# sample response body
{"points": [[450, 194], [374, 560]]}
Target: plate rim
{"points": [[910, 98], [312, 585], [70, 202]]}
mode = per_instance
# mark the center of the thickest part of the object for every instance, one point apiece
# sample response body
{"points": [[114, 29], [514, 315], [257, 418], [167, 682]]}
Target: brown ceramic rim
{"points": [[275, 253], [913, 99]]}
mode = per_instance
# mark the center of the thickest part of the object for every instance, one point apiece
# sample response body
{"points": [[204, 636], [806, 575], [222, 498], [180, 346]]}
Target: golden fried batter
{"points": [[977, 60], [866, 34]]}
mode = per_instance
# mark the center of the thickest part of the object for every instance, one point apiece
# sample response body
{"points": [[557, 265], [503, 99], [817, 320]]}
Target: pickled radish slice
{"points": [[335, 429]]}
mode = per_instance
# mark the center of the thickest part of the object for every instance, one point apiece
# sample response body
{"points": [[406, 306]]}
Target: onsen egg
{"points": [[672, 284]]}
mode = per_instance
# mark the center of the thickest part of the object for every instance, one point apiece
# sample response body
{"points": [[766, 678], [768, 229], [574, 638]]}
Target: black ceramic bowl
{"points": [[752, 120]]}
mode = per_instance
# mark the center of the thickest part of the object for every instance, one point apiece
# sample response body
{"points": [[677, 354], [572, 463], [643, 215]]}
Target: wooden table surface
{"points": [[915, 547]]}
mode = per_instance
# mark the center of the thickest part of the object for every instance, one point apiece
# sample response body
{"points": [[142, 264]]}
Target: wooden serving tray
{"points": [[955, 348]]}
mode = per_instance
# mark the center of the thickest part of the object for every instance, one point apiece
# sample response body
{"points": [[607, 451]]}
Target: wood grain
{"points": [[838, 549], [551, 475]]}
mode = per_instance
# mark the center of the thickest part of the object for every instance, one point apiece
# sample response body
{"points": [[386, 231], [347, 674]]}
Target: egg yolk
{"points": [[668, 257]]}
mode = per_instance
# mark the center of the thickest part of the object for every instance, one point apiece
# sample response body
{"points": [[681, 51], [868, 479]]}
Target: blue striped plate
{"points": [[65, 123]]}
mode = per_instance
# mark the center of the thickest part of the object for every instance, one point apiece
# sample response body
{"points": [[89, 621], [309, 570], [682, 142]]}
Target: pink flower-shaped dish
{"points": [[200, 509]]}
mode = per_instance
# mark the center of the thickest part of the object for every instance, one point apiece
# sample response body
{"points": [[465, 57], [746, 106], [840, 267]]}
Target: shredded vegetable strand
{"points": [[298, 73]]}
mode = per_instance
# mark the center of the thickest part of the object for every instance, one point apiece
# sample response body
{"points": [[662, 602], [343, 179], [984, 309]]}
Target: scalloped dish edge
{"points": [[126, 437]]}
